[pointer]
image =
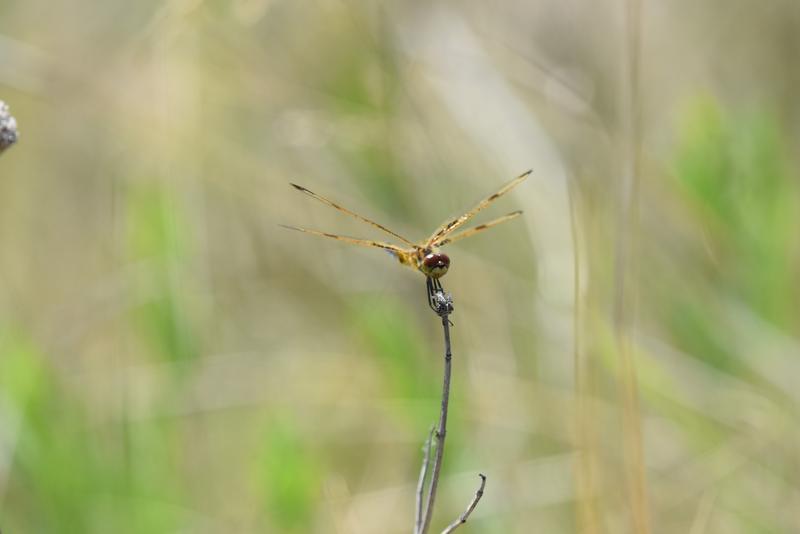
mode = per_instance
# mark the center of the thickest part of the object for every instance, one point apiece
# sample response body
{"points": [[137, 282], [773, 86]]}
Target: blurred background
{"points": [[626, 354]]}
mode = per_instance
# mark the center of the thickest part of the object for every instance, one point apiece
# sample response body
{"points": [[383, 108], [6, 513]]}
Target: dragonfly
{"points": [[422, 256]]}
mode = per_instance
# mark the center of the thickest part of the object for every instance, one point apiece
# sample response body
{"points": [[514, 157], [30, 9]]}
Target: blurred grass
{"points": [[171, 361], [157, 238], [734, 169], [289, 478]]}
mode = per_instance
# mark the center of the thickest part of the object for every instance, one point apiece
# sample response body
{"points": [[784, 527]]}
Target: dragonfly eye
{"points": [[435, 264]]}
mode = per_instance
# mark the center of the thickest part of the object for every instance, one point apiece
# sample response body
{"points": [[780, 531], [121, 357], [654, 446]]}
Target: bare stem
{"points": [[423, 474], [587, 513], [442, 304], [463, 518], [441, 430], [625, 298]]}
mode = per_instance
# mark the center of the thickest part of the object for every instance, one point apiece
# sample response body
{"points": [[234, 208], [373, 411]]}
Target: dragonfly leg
{"points": [[439, 301], [431, 299]]}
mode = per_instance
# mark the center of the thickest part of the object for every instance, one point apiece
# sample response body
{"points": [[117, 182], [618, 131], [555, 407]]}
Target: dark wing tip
{"points": [[526, 173], [515, 213], [298, 187]]}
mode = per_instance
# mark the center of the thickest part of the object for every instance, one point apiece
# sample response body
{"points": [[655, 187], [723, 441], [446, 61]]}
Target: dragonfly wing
{"points": [[350, 213], [456, 223], [394, 249], [477, 229]]}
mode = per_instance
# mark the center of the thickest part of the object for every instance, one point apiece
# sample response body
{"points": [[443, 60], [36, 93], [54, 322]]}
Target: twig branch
{"points": [[441, 430], [463, 518], [442, 304], [8, 128], [423, 474]]}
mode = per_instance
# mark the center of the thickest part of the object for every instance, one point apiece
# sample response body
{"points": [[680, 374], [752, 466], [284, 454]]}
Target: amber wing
{"points": [[477, 229], [350, 213], [450, 226]]}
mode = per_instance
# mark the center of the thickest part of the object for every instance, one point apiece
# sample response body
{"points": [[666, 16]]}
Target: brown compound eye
{"points": [[435, 264]]}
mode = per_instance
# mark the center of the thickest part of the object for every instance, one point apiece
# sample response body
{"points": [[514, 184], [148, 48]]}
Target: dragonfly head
{"points": [[434, 264]]}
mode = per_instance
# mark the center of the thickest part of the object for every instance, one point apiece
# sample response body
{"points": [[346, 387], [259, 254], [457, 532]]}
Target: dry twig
{"points": [[463, 518], [423, 474], [442, 304]]}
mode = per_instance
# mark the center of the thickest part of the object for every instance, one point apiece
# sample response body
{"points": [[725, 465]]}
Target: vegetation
{"points": [[173, 361]]}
